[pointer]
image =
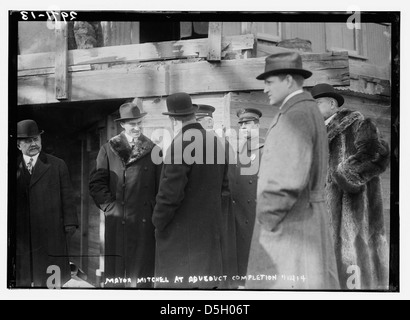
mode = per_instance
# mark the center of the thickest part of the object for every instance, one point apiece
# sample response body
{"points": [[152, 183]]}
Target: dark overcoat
{"points": [[45, 206], [243, 181], [124, 186], [292, 246], [358, 156], [188, 212]]}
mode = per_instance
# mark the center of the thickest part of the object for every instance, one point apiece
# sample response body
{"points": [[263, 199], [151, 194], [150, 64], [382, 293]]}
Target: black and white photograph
{"points": [[230, 152]]}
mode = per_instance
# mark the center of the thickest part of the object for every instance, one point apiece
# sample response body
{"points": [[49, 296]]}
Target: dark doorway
{"points": [[151, 31]]}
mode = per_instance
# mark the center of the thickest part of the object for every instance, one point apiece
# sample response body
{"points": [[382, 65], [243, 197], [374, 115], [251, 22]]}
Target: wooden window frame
{"points": [[360, 43], [271, 38]]}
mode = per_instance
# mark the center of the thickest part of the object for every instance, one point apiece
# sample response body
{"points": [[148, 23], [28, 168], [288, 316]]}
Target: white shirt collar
{"points": [[130, 139], [291, 96], [330, 119], [27, 158]]}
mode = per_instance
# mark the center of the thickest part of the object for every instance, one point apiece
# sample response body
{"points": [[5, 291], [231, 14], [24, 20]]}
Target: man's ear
{"points": [[122, 124], [18, 146]]}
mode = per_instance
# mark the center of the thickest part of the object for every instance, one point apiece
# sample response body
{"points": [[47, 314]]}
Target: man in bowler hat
{"points": [[189, 205], [243, 178], [357, 157], [292, 236], [46, 215], [124, 185]]}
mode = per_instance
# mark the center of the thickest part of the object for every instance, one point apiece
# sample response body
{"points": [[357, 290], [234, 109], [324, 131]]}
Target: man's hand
{"points": [[70, 230]]}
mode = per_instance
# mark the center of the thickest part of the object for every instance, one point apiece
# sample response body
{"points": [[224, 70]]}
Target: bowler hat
{"points": [[284, 63], [248, 114], [27, 129], [179, 104], [204, 110], [131, 110], [326, 90]]}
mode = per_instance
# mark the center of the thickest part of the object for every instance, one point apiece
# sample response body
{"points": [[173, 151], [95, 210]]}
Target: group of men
{"points": [[297, 210]]}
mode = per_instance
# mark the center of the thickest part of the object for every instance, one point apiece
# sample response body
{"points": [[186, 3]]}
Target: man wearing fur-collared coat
{"points": [[357, 157], [124, 185]]}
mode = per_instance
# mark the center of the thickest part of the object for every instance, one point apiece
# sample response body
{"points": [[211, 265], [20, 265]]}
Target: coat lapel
{"points": [[289, 104], [344, 119], [119, 144], [40, 169]]}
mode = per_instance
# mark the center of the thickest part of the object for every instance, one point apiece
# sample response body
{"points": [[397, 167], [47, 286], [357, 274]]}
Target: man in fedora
{"points": [[124, 185], [292, 239], [204, 116], [243, 179], [46, 213], [357, 158], [188, 213]]}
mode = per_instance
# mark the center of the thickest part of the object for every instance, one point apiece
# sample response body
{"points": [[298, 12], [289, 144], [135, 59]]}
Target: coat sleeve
{"points": [[99, 184], [369, 161], [285, 168], [67, 197], [171, 192]]}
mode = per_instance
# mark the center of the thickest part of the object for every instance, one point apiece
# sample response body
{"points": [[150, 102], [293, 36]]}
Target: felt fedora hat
{"points": [[284, 63], [179, 104], [27, 129], [204, 110], [326, 90], [131, 110]]}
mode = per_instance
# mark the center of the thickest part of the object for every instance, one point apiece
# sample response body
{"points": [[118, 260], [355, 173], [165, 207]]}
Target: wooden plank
{"points": [[137, 52], [61, 63], [43, 71], [250, 28], [215, 41], [369, 70], [161, 79]]}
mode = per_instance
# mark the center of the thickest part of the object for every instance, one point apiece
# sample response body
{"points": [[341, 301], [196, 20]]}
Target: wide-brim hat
{"points": [[203, 110], [179, 104], [131, 110], [322, 90], [284, 63], [28, 129]]}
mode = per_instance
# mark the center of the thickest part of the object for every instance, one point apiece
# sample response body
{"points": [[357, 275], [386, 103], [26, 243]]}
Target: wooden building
{"points": [[72, 80]]}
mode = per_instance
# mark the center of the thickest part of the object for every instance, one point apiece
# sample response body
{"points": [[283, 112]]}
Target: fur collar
{"points": [[119, 144], [343, 119]]}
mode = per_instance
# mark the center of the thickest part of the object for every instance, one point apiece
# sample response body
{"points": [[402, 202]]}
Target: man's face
{"points": [[132, 127], [327, 107], [30, 146], [206, 122], [277, 90], [248, 128]]}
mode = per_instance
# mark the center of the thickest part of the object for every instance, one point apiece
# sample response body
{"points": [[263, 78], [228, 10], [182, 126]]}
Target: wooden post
{"points": [[61, 83], [215, 41], [250, 28]]}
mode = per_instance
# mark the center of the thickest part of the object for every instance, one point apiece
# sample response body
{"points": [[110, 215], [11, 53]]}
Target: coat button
{"points": [[123, 203], [246, 221], [250, 181], [233, 201], [145, 168], [249, 201], [124, 185], [123, 222], [144, 220]]}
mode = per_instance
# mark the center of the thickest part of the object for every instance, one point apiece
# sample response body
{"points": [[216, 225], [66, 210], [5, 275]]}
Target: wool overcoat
{"points": [[292, 246], [124, 185], [45, 205], [189, 210], [358, 156], [243, 181]]}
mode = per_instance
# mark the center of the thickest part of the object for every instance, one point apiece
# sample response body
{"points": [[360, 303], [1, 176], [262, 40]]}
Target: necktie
{"points": [[30, 166], [134, 143]]}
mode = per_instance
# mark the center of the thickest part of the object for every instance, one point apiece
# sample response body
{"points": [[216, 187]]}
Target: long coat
{"points": [[124, 186], [188, 212], [292, 247], [45, 206], [243, 179], [357, 158]]}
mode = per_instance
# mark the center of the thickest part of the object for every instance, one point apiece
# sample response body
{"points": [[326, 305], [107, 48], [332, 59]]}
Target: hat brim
{"points": [[304, 73], [142, 115], [178, 114], [340, 100], [30, 136]]}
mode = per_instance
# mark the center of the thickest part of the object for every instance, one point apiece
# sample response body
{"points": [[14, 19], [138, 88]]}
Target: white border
{"points": [[210, 5]]}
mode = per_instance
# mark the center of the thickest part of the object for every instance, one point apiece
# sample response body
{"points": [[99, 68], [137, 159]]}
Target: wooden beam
{"points": [[215, 41], [197, 48], [161, 79], [61, 63], [250, 28]]}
